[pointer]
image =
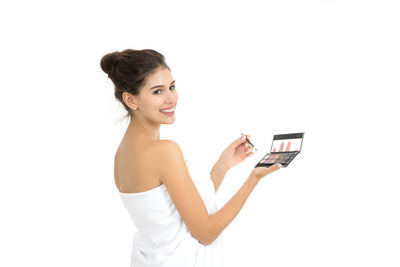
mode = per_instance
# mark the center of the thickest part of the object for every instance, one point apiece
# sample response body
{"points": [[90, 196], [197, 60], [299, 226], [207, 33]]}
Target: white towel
{"points": [[162, 238]]}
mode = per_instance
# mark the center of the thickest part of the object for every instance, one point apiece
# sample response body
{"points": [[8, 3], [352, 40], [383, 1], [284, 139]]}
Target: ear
{"points": [[130, 100]]}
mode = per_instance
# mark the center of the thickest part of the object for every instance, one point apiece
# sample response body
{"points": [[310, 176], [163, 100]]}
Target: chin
{"points": [[170, 122], [167, 119]]}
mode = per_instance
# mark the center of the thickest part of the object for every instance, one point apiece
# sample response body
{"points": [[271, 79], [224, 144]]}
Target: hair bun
{"points": [[109, 61], [129, 70]]}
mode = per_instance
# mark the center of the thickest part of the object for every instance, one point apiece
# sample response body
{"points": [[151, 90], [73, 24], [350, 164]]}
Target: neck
{"points": [[143, 128]]}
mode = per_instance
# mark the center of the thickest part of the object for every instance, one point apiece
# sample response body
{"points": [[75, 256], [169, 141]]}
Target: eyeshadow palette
{"points": [[284, 148]]}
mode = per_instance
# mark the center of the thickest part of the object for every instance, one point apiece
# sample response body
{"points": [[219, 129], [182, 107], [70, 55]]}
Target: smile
{"points": [[168, 110]]}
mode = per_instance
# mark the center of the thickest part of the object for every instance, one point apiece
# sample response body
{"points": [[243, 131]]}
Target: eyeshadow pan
{"points": [[271, 159]]}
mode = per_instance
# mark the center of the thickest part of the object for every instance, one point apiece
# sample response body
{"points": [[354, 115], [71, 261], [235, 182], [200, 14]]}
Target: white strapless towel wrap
{"points": [[162, 238]]}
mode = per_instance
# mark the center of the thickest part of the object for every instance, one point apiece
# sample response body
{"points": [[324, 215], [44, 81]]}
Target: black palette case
{"points": [[284, 148]]}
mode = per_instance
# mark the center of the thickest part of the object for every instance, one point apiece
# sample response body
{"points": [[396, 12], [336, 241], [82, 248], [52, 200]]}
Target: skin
{"points": [[140, 147], [281, 147]]}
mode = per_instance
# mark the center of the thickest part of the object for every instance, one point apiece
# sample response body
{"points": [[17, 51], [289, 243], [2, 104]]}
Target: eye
{"points": [[172, 87], [155, 92]]}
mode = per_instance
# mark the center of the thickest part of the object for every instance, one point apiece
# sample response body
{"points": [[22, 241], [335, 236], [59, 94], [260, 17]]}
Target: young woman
{"points": [[176, 218]]}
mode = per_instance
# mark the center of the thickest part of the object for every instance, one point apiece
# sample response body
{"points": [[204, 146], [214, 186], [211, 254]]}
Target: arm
{"points": [[217, 174], [234, 154], [221, 219], [187, 200]]}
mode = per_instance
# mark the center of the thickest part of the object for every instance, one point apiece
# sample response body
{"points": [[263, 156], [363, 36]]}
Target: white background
{"points": [[328, 68]]}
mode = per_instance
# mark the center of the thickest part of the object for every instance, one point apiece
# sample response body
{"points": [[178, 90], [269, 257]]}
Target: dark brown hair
{"points": [[129, 69]]}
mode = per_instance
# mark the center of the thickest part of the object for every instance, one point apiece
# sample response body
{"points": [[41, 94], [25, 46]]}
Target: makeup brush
{"points": [[249, 142]]}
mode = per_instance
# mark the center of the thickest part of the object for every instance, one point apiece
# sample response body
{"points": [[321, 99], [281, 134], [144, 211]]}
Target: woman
{"points": [[176, 218]]}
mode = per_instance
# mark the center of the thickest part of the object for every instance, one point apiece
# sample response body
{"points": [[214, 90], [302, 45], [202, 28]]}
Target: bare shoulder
{"points": [[169, 157], [166, 147], [166, 150]]}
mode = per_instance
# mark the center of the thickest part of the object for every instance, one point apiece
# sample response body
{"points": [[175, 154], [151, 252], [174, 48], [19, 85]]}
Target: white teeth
{"points": [[168, 110]]}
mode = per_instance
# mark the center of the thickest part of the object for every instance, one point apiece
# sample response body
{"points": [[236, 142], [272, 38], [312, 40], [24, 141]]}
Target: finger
{"points": [[244, 136], [281, 147], [241, 149], [288, 146], [246, 155], [247, 151], [247, 135], [237, 142], [249, 154], [249, 148], [244, 147], [248, 139], [264, 171], [274, 168]]}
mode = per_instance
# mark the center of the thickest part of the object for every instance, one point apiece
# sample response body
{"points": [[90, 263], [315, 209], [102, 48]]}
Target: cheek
{"points": [[153, 103]]}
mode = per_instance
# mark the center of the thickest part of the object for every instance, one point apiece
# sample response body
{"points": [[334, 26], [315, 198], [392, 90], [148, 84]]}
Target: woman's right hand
{"points": [[260, 172]]}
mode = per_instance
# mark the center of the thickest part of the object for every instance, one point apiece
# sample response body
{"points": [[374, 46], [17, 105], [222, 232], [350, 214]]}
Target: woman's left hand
{"points": [[236, 152]]}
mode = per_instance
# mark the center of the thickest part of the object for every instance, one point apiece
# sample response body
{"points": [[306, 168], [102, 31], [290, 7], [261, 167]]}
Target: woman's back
{"points": [[134, 170], [162, 238]]}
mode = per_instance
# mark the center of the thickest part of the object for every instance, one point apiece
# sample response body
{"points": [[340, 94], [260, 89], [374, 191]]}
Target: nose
{"points": [[172, 97]]}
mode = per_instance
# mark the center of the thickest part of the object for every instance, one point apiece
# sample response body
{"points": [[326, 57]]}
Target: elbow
{"points": [[207, 236], [206, 241]]}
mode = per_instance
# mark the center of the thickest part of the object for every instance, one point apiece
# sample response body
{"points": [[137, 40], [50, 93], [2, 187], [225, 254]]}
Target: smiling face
{"points": [[157, 99]]}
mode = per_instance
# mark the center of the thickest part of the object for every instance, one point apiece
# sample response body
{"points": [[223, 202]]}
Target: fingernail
{"points": [[279, 166]]}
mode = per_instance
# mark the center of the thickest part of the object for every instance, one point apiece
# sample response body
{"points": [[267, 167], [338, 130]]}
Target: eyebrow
{"points": [[160, 85]]}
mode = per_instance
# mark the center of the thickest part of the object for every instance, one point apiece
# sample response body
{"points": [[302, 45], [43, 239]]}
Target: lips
{"points": [[169, 111], [167, 108]]}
